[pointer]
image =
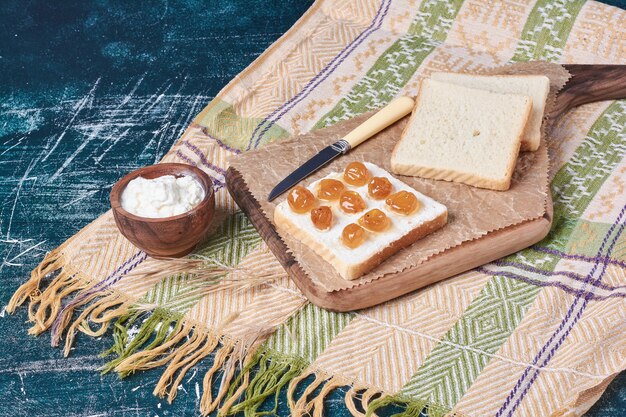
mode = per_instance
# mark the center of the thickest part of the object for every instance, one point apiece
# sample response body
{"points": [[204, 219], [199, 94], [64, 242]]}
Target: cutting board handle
{"points": [[590, 83]]}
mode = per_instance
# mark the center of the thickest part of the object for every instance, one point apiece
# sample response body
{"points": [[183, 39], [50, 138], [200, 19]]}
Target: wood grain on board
{"points": [[588, 83], [446, 264]]}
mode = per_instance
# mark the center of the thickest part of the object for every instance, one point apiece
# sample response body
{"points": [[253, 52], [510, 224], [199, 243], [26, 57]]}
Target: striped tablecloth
{"points": [[538, 333]]}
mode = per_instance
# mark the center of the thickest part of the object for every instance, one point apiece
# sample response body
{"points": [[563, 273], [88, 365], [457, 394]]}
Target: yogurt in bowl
{"points": [[161, 196], [164, 209]]}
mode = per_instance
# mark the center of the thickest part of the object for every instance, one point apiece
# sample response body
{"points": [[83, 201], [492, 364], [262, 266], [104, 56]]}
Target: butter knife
{"points": [[386, 116]]}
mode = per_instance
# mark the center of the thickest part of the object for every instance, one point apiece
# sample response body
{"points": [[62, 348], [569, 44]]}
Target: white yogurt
{"points": [[162, 196]]}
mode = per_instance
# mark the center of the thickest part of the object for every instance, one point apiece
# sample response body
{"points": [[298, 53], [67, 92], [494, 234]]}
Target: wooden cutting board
{"points": [[589, 83]]}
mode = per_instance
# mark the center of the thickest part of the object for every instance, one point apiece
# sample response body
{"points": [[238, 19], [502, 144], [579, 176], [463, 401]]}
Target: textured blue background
{"points": [[90, 90]]}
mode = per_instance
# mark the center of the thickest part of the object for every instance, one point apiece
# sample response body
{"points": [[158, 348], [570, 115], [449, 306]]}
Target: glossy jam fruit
{"points": [[353, 236], [379, 188], [403, 202], [356, 174], [322, 217], [330, 189], [351, 202], [300, 199], [374, 220]]}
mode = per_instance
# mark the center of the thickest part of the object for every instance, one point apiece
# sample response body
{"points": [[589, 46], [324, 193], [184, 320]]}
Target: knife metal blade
{"points": [[322, 158], [389, 114]]}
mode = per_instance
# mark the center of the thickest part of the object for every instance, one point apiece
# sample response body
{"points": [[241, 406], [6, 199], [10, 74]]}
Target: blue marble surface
{"points": [[90, 90]]}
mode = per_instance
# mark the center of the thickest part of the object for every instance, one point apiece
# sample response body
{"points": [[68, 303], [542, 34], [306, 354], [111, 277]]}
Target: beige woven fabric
{"points": [[539, 333]]}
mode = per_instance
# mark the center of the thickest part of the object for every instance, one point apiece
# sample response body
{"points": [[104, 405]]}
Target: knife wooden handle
{"points": [[389, 114]]}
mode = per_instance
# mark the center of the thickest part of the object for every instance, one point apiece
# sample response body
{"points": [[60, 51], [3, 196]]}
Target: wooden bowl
{"points": [[173, 236]]}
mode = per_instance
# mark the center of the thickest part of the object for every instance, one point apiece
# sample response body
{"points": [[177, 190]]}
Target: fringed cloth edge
{"points": [[248, 376]]}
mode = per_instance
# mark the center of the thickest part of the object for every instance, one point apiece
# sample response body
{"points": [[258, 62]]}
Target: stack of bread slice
{"points": [[471, 128]]}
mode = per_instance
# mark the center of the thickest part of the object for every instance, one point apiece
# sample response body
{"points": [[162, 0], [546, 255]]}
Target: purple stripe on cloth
{"points": [[185, 158], [595, 259], [203, 159], [543, 283], [117, 275], [321, 76], [216, 182], [219, 142], [572, 275], [530, 374]]}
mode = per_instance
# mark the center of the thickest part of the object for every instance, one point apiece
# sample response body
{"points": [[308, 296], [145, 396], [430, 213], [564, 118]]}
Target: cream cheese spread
{"points": [[400, 225], [162, 196]]}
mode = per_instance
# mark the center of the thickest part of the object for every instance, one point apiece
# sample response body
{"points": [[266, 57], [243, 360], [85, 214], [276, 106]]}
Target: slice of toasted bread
{"points": [[462, 134], [536, 87], [378, 246]]}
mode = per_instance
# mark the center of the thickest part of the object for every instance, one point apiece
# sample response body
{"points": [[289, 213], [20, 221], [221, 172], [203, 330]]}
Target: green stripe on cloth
{"points": [[540, 39], [235, 238], [583, 238], [577, 182], [285, 356], [449, 371], [619, 250], [166, 302], [308, 332], [395, 67], [222, 122]]}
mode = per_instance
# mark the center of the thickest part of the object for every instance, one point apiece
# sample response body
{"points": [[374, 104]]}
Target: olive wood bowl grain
{"points": [[171, 237]]}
